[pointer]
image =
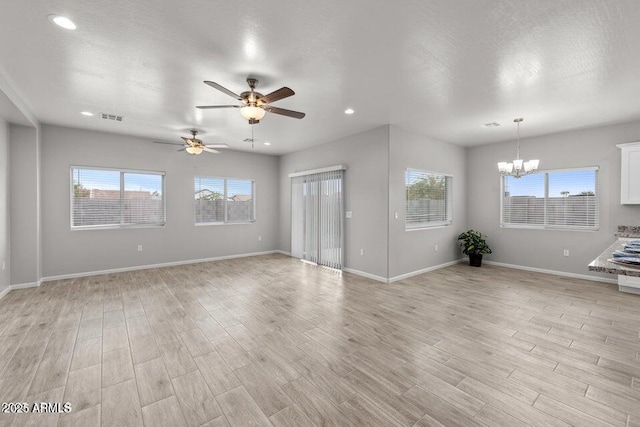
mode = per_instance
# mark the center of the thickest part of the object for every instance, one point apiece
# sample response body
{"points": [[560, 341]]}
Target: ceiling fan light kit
{"points": [[250, 112], [518, 167], [194, 150]]}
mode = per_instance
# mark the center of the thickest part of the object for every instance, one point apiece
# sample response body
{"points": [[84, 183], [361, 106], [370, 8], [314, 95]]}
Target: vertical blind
{"points": [[224, 200], [115, 198], [565, 199], [317, 218], [428, 199]]}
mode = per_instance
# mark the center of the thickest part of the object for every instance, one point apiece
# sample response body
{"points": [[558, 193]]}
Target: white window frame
{"points": [[121, 225], [545, 226], [226, 221], [448, 202]]}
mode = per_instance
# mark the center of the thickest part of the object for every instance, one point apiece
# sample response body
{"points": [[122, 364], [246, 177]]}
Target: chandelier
{"points": [[518, 167]]}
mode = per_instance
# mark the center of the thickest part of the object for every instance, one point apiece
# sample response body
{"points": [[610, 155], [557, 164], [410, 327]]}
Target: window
{"points": [[107, 198], [559, 199], [224, 200], [429, 199]]}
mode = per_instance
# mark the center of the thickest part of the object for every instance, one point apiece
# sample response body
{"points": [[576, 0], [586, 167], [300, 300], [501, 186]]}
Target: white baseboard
{"points": [[402, 276], [9, 288], [283, 252], [554, 272], [148, 266], [426, 270], [25, 285], [367, 275]]}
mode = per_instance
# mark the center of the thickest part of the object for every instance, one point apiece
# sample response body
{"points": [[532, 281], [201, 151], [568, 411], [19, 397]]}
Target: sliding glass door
{"points": [[316, 217]]}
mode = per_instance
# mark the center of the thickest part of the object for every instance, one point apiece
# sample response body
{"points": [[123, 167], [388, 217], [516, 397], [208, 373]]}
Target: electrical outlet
{"points": [[349, 214], [139, 248], [395, 215], [566, 252], [435, 248], [361, 252], [259, 238]]}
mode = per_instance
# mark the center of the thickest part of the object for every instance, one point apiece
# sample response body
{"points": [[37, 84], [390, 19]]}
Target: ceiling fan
{"points": [[254, 105], [194, 145]]}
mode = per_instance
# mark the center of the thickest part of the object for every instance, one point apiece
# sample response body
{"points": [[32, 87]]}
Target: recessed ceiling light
{"points": [[63, 22], [267, 143], [87, 113], [492, 124], [349, 111]]}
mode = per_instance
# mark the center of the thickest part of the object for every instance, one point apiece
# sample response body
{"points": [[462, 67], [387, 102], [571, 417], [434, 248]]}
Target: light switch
{"points": [[349, 214]]}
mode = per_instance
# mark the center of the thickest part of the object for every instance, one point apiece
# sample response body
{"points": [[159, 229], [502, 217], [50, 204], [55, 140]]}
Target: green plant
{"points": [[473, 243]]}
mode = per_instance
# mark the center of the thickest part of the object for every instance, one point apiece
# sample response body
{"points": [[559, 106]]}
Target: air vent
{"points": [[492, 124], [108, 116]]}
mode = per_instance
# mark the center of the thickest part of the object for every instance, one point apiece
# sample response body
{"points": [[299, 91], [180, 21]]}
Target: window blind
{"points": [[428, 199], [116, 198], [562, 199], [317, 210], [224, 200]]}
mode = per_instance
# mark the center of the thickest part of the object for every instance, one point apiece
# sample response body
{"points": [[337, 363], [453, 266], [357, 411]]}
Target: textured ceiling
{"points": [[439, 67]]}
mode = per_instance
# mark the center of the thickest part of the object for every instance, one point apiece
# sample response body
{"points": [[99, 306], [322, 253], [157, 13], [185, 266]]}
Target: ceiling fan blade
{"points": [[209, 150], [223, 89], [217, 146], [182, 149], [208, 107], [188, 141], [285, 112], [283, 92], [168, 143]]}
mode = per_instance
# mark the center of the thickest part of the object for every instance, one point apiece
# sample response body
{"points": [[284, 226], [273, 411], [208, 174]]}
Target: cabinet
{"points": [[630, 173]]}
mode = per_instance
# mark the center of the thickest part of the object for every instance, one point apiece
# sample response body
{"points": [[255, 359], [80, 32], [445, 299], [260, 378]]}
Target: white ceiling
{"points": [[439, 67]]}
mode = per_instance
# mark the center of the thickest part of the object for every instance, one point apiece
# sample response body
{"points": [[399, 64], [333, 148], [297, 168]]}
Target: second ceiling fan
{"points": [[253, 105], [194, 145]]}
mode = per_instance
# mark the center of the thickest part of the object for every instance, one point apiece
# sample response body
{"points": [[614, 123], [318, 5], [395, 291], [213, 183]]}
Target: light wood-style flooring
{"points": [[270, 340]]}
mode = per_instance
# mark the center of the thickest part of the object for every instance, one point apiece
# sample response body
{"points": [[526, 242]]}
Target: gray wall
{"points": [[68, 252], [544, 248], [24, 217], [365, 192], [5, 278], [414, 250]]}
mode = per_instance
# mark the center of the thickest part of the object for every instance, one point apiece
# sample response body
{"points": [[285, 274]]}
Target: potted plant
{"points": [[474, 245]]}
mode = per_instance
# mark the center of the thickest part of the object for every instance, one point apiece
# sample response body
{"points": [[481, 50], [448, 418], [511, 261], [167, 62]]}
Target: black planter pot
{"points": [[475, 260]]}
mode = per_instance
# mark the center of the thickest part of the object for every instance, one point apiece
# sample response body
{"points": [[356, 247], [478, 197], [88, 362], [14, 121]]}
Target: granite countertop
{"points": [[628, 231], [603, 266]]}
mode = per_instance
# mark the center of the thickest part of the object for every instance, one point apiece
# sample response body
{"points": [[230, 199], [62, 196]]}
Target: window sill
{"points": [[428, 227], [547, 228], [116, 227], [205, 224]]}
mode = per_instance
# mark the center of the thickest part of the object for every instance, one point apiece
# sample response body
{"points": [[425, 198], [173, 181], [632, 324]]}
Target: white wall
{"points": [[374, 191], [411, 251], [24, 216], [5, 278], [68, 252], [365, 194], [544, 248]]}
